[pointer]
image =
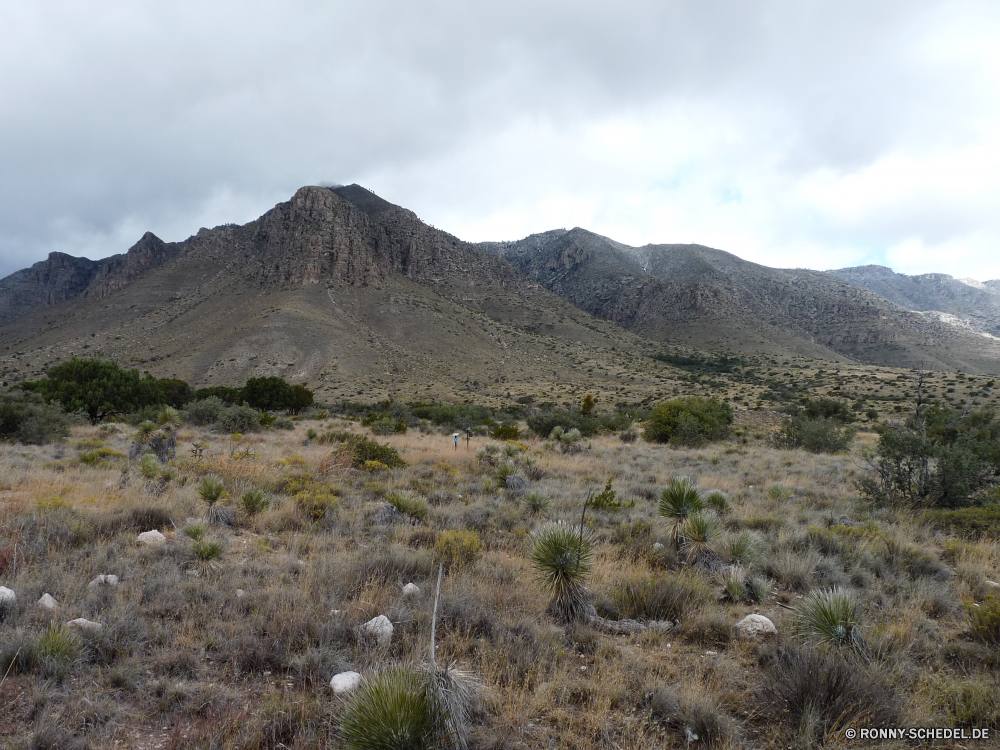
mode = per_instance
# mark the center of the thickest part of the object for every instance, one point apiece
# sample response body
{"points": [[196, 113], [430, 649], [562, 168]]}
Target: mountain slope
{"points": [[335, 288], [698, 296], [938, 295]]}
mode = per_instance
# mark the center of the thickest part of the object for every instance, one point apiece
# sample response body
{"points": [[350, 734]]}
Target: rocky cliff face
{"points": [[47, 283], [975, 305]]}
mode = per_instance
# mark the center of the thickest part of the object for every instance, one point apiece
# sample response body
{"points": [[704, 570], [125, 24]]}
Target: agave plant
{"points": [[699, 535], [678, 500], [828, 617], [211, 489], [562, 556]]}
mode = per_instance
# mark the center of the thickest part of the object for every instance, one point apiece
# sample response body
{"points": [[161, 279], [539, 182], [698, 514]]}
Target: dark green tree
{"points": [[98, 387], [225, 393], [176, 392], [301, 398], [587, 406], [269, 392]]}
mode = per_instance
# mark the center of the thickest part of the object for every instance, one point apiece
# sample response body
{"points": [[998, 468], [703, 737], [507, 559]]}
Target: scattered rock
{"points": [[104, 580], [152, 538], [411, 589], [345, 682], [843, 521], [994, 584], [47, 602], [380, 628], [240, 593], [710, 653], [84, 624], [755, 626], [8, 600], [386, 514], [657, 546]]}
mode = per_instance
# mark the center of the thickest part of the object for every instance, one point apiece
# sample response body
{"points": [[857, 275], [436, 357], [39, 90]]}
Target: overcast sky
{"points": [[815, 134]]}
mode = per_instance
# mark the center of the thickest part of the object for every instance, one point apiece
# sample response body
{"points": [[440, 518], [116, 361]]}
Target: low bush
{"points": [[690, 421], [984, 621], [27, 419], [814, 435], [204, 412], [967, 522], [238, 419], [362, 450], [664, 597], [695, 717], [456, 549], [409, 503], [828, 617]]}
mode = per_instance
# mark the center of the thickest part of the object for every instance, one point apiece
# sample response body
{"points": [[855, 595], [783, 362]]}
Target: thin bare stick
{"points": [[579, 550], [434, 616]]}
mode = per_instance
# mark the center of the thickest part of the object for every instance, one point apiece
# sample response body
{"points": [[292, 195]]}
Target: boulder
{"points": [[992, 584], [345, 682], [386, 514], [8, 601], [47, 602], [516, 485], [411, 589], [104, 580], [379, 628], [240, 593], [84, 624], [755, 626], [152, 538]]}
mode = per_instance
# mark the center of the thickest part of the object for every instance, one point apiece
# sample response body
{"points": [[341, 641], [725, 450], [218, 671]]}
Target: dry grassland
{"points": [[184, 661]]}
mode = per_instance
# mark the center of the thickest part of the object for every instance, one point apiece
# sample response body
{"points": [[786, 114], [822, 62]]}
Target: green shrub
{"points": [[27, 419], [409, 503], [208, 549], [505, 432], [456, 549], [204, 412], [195, 530], [814, 435], [689, 421], [984, 621], [743, 547], [665, 597], [241, 419], [678, 500], [211, 490], [718, 501], [608, 500], [536, 502], [544, 422], [55, 650], [967, 522], [364, 449], [562, 557], [699, 535], [149, 466]]}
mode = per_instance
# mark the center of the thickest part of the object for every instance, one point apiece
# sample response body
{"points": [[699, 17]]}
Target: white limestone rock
{"points": [[411, 589], [379, 628], [240, 593], [87, 625], [48, 602], [152, 538], [755, 626], [8, 601], [108, 579], [345, 682]]}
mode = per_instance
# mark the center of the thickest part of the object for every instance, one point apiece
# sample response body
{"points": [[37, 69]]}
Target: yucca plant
{"points": [[169, 416], [718, 501], [211, 489], [394, 708], [207, 550], [504, 470], [678, 500], [195, 530], [149, 466], [254, 500], [699, 535], [409, 503], [562, 556], [828, 617], [143, 431], [535, 502], [742, 547]]}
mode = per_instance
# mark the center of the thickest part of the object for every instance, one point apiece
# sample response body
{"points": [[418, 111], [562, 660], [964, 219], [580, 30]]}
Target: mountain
{"points": [[336, 288], [963, 302], [710, 299]]}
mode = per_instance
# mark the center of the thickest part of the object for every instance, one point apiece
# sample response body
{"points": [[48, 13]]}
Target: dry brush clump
{"points": [[265, 607]]}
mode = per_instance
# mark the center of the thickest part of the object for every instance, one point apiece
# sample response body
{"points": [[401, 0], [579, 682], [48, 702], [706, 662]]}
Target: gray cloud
{"points": [[736, 124]]}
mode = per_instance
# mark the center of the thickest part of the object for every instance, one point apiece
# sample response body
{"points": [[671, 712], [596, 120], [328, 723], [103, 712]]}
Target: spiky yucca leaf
{"points": [[678, 500], [699, 535], [562, 557], [827, 617], [394, 709], [211, 489], [718, 501]]}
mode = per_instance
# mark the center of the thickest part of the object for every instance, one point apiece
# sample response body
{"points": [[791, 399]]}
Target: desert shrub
{"points": [[211, 490], [664, 597], [409, 503], [195, 530], [362, 449], [696, 717], [984, 621], [176, 392], [608, 500], [394, 708], [690, 421], [814, 435], [203, 412], [743, 547], [544, 422], [505, 432], [973, 701], [562, 556], [238, 419], [456, 549], [55, 650], [816, 693], [967, 522], [283, 423], [149, 466], [718, 501], [27, 419], [628, 435]]}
